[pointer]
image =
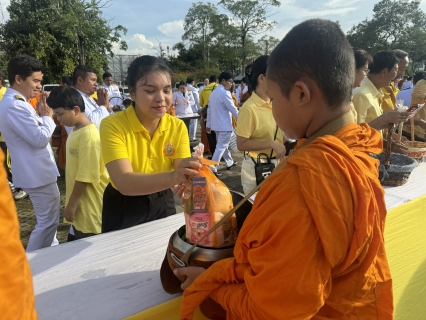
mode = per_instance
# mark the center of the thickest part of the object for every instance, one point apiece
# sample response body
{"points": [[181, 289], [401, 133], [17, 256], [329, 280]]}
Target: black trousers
{"points": [[211, 137], [121, 212]]}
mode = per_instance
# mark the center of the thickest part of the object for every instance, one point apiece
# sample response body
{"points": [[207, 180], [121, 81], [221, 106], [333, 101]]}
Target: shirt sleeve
{"points": [[26, 126], [89, 151], [97, 115], [183, 150], [209, 119], [196, 98], [229, 104], [361, 104], [246, 123], [113, 142]]}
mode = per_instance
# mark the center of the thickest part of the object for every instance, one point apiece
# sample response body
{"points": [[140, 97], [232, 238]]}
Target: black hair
{"points": [[182, 83], [225, 76], [81, 72], [106, 75], [421, 75], [65, 97], [127, 102], [244, 78], [24, 66], [190, 80], [67, 80], [383, 60], [254, 70], [400, 54], [317, 49], [362, 58], [144, 65], [409, 78], [213, 78], [405, 77]]}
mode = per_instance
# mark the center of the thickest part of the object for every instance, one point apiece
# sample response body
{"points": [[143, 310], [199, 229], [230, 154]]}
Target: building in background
{"points": [[117, 66]]}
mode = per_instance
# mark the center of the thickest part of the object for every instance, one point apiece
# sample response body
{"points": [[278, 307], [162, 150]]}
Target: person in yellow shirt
{"points": [[391, 91], [368, 97], [16, 285], [85, 174], [146, 151], [257, 131]]}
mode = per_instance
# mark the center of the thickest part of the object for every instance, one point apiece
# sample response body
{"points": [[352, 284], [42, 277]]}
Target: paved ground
{"points": [[27, 218]]}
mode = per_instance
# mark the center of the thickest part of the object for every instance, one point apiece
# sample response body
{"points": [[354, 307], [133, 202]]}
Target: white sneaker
{"points": [[20, 195]]}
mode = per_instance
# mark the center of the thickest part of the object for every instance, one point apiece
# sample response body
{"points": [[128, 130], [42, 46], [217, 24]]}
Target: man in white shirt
{"points": [[243, 88], [183, 100], [406, 94], [407, 84], [219, 118], [190, 82], [85, 81], [114, 95], [27, 136]]}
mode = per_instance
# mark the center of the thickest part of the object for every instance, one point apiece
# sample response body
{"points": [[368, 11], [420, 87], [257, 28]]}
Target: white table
{"points": [[115, 275]]}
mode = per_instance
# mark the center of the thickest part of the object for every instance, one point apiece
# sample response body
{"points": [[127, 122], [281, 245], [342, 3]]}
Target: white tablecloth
{"points": [[114, 275]]}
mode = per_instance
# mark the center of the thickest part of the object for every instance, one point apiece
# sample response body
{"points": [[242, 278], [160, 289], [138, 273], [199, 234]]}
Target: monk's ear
{"points": [[301, 93]]}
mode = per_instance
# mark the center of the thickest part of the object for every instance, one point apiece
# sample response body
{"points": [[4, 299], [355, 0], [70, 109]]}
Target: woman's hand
{"points": [[191, 273], [185, 170], [279, 149]]}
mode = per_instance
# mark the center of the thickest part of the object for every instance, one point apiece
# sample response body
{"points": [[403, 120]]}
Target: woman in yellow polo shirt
{"points": [[256, 126], [146, 151]]}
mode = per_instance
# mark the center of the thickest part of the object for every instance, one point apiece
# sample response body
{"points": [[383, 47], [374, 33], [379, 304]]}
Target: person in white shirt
{"points": [[243, 88], [27, 135], [114, 95], [183, 100], [85, 81], [406, 94], [205, 84], [219, 118], [190, 82], [407, 84]]}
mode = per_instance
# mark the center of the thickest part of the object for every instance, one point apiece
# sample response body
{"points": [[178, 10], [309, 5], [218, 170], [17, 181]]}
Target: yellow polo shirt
{"points": [[206, 92], [255, 121], [367, 101], [389, 97], [124, 137]]}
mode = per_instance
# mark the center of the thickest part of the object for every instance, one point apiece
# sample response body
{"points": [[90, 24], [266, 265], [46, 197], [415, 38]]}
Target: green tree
{"points": [[61, 34], [392, 22], [415, 45], [267, 44], [251, 18]]}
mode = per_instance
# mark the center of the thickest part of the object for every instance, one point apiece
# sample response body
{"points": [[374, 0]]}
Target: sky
{"points": [[152, 21]]}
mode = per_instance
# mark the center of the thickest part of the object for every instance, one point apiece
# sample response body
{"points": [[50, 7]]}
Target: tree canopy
{"points": [[61, 34]]}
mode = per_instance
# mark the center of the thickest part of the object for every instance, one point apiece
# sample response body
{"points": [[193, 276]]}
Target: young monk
{"points": [[312, 246]]}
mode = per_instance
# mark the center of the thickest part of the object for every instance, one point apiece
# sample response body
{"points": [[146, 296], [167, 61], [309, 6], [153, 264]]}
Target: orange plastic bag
{"points": [[207, 202]]}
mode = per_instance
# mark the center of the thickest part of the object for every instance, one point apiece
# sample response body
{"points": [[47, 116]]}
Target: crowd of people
{"points": [[312, 245]]}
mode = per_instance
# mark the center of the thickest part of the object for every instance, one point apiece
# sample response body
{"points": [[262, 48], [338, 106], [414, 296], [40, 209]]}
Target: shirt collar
{"points": [[259, 101], [374, 91], [13, 92], [82, 93], [137, 126]]}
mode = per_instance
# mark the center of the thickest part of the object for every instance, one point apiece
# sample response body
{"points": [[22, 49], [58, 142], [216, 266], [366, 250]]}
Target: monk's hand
{"points": [[191, 273], [186, 169], [279, 149], [69, 212], [43, 109]]}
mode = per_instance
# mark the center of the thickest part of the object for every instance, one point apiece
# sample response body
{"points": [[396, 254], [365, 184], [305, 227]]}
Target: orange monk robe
{"points": [[312, 246], [234, 120], [16, 285], [33, 101]]}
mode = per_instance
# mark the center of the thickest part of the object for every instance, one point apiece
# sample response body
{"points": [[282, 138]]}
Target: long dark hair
{"points": [[254, 70]]}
